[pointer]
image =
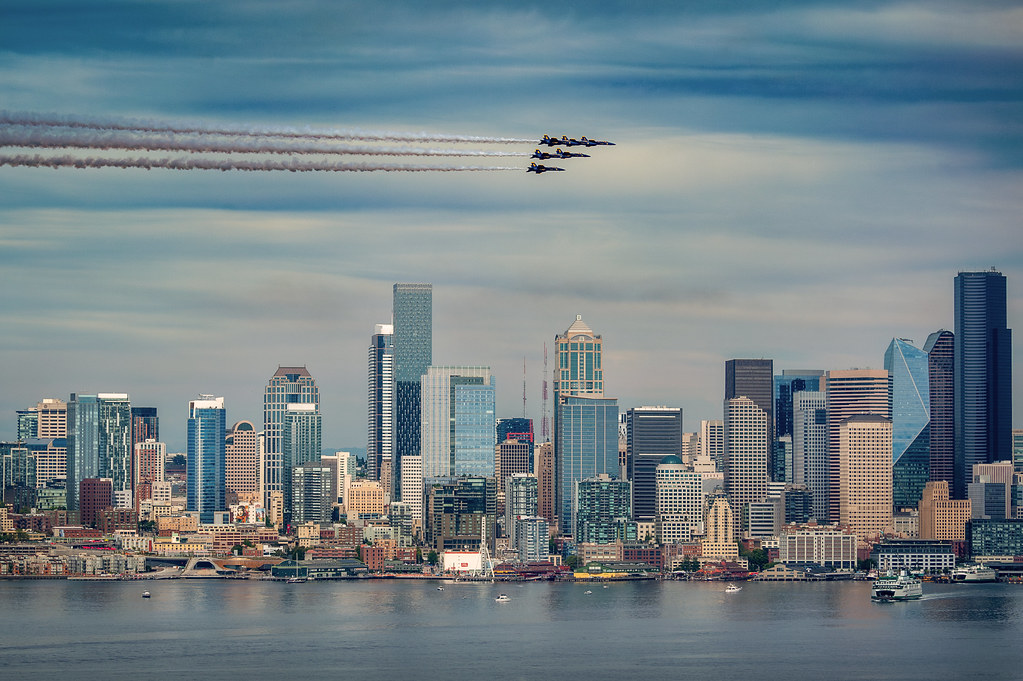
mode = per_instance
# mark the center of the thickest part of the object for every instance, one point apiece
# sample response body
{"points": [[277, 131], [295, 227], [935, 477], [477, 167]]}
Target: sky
{"points": [[798, 181]]}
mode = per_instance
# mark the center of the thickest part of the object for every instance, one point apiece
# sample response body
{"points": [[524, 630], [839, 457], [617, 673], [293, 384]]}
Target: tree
{"points": [[431, 557], [178, 460], [237, 550], [757, 558], [572, 562]]}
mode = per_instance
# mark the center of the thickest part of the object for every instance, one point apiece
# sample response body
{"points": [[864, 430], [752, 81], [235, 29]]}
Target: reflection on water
{"points": [[386, 629]]}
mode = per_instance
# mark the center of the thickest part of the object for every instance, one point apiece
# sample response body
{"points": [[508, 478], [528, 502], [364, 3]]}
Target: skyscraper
{"points": [[865, 474], [679, 501], [940, 349], [243, 466], [810, 449], [207, 424], [380, 431], [753, 378], [301, 442], [786, 385], [412, 312], [585, 422], [99, 441], [457, 411], [652, 433], [288, 385], [911, 415], [850, 392], [712, 441], [603, 511], [746, 446], [983, 374]]}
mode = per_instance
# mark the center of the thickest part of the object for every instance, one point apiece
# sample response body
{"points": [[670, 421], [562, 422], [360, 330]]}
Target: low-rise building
{"points": [[913, 555]]}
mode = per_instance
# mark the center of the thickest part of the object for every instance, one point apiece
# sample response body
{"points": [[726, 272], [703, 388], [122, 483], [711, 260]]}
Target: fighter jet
{"points": [[592, 143], [549, 141], [557, 153], [534, 168]]}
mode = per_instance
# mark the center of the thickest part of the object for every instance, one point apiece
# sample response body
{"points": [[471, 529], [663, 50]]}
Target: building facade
{"points": [[288, 386], [652, 433], [207, 425], [865, 475], [380, 425], [908, 369], [457, 430], [746, 458], [412, 317]]}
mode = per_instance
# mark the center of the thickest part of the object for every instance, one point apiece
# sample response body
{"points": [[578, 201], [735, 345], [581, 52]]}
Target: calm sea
{"points": [[410, 630]]}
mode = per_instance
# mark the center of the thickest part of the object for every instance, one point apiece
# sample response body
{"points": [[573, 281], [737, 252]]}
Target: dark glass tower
{"points": [[412, 311], [941, 379], [652, 433], [983, 374], [380, 431]]}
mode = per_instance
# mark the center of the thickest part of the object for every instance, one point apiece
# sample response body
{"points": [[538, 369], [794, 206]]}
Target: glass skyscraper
{"points": [[652, 433], [301, 442], [983, 374], [207, 425], [586, 446], [911, 415], [99, 441], [940, 349], [412, 312], [458, 424], [288, 386], [380, 430]]}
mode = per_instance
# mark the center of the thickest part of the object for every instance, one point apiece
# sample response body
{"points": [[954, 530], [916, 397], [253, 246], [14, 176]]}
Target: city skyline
{"points": [[797, 182]]}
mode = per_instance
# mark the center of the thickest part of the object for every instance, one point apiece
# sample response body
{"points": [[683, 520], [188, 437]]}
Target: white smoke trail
{"points": [[291, 165], [58, 121], [64, 139]]}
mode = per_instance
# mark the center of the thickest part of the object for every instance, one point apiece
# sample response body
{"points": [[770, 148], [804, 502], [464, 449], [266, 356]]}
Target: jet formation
{"points": [[565, 141]]}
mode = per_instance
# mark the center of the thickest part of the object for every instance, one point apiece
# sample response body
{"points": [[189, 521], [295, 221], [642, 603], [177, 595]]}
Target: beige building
{"points": [[51, 463], [679, 502], [52, 415], [510, 457], [543, 467], [243, 464], [412, 491], [719, 543], [942, 518], [865, 475], [849, 392], [745, 456], [275, 508], [179, 524], [823, 544], [367, 498]]}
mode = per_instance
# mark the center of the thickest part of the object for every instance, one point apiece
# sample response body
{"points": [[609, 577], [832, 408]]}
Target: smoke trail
{"points": [[62, 139], [55, 121], [294, 166]]}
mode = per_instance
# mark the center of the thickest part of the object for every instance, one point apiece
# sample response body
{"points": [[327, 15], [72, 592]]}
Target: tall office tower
{"points": [[207, 426], [301, 442], [288, 385], [313, 490], [850, 392], [690, 446], [412, 311], [50, 456], [719, 521], [940, 349], [746, 446], [679, 501], [942, 518], [243, 466], [790, 382], [546, 476], [911, 416], [983, 374], [604, 511], [651, 433], [517, 428], [412, 489], [380, 431], [577, 355], [586, 445], [346, 466], [28, 424], [457, 431], [145, 424], [52, 418], [512, 457], [150, 457], [810, 449], [712, 441], [520, 501], [865, 475], [99, 441], [459, 511], [753, 378]]}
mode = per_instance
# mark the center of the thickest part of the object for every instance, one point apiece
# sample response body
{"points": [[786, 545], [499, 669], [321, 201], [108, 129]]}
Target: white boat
{"points": [[901, 587], [503, 598], [588, 591], [733, 589], [440, 588], [974, 574], [146, 594]]}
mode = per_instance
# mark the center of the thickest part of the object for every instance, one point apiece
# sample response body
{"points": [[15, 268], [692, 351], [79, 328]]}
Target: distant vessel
{"points": [[901, 587], [974, 573], [588, 591], [732, 588], [146, 594], [503, 598], [440, 588], [296, 580]]}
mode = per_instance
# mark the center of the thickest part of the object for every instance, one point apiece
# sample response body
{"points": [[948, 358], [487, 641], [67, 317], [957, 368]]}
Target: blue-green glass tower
{"points": [[207, 425], [911, 417], [413, 352]]}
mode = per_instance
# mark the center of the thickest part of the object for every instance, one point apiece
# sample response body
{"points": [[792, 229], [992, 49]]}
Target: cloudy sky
{"points": [[792, 180]]}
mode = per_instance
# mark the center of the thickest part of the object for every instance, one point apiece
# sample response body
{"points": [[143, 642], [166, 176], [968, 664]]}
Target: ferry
{"points": [[900, 587], [974, 574]]}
